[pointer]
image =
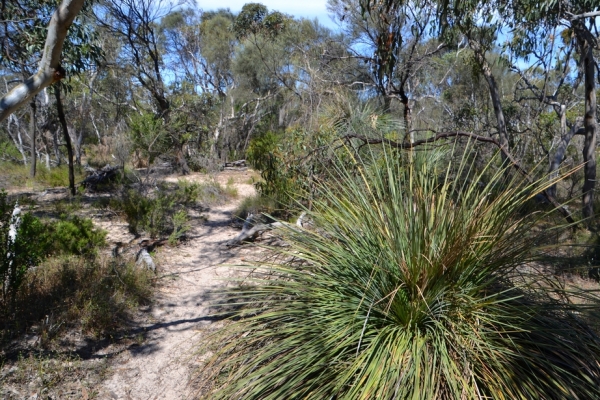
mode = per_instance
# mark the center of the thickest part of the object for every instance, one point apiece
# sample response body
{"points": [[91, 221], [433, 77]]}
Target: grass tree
{"points": [[415, 284]]}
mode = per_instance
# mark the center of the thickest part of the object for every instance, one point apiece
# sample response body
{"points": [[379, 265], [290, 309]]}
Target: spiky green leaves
{"points": [[412, 286]]}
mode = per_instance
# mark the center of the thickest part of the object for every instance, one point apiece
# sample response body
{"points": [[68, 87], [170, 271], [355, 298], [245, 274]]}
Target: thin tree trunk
{"points": [[63, 123], [560, 153], [494, 94], [55, 144], [32, 128], [589, 121], [17, 141]]}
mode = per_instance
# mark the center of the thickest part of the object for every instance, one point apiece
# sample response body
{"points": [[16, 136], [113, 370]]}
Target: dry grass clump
{"points": [[94, 296]]}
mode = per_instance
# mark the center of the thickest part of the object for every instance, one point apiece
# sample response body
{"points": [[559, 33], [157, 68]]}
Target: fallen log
{"points": [[144, 258], [96, 177], [254, 227], [238, 164]]}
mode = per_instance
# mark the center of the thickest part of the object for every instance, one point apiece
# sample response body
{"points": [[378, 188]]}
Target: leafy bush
{"points": [[162, 212], [148, 135], [180, 226], [264, 154], [18, 252], [414, 286], [36, 240], [74, 235], [145, 213]]}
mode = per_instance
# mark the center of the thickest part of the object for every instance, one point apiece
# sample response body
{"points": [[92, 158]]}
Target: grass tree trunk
{"points": [[32, 128], [63, 124]]}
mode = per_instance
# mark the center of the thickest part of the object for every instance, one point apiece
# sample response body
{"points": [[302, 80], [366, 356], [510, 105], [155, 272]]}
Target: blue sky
{"points": [[298, 8]]}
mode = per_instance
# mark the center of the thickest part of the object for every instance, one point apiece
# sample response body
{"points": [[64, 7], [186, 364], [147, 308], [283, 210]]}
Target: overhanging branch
{"points": [[473, 136], [49, 70]]}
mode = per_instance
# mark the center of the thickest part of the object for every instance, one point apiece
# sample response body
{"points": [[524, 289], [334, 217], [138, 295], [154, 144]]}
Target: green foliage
{"points": [[414, 285], [254, 18], [265, 155], [148, 135], [74, 235], [163, 211], [293, 162], [144, 213], [37, 240], [25, 36], [180, 227]]}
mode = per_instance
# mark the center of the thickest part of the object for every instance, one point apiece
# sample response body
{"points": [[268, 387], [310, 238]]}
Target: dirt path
{"points": [[159, 367]]}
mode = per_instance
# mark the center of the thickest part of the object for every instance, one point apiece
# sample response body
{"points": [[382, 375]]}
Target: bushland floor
{"points": [[154, 356]]}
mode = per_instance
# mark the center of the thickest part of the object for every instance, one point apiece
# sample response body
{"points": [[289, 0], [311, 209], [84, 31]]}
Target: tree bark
{"points": [[584, 39], [559, 155], [494, 95], [49, 70], [32, 128], [54, 132], [18, 142], [63, 123]]}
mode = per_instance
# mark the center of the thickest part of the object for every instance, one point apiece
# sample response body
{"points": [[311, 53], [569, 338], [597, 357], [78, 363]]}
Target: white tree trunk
{"points": [[13, 228], [49, 70]]}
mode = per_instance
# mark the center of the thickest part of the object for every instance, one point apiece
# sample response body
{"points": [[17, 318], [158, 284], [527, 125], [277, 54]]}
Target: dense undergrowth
{"points": [[418, 282], [54, 277], [162, 210]]}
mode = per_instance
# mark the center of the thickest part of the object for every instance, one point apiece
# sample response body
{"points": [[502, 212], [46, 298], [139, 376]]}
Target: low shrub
{"points": [[144, 213], [91, 294], [35, 240], [416, 285], [74, 235], [163, 212]]}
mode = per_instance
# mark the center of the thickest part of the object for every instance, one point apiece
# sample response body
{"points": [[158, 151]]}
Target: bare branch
{"points": [[591, 14], [470, 135]]}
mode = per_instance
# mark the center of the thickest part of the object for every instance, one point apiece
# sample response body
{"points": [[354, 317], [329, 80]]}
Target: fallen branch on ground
{"points": [[96, 177], [238, 163], [253, 228]]}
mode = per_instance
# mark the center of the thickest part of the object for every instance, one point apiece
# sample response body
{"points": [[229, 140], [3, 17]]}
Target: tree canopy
{"points": [[175, 84]]}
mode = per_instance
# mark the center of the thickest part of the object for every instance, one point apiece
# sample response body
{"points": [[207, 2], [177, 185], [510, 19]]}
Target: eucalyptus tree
{"points": [[550, 87], [294, 67], [394, 39], [66, 52], [201, 50], [136, 23], [578, 22], [261, 74]]}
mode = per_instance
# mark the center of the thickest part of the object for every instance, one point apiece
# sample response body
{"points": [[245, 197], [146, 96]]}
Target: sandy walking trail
{"points": [[170, 330]]}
